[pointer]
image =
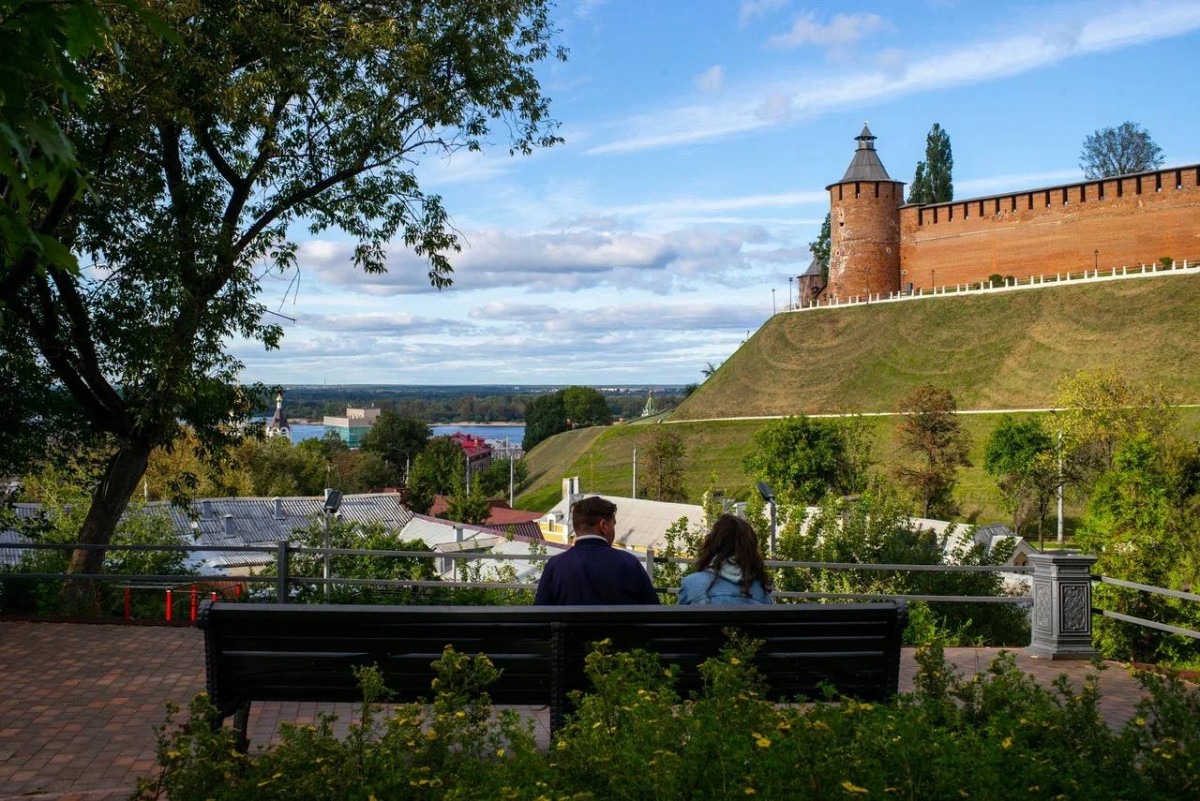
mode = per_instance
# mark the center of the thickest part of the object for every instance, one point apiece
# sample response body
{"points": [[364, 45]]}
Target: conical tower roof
{"points": [[814, 268], [865, 166]]}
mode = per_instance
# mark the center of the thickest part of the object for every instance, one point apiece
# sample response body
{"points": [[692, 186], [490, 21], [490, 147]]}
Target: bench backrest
{"points": [[281, 652]]}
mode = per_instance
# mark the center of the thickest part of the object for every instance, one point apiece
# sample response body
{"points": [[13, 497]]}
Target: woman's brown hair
{"points": [[732, 539]]}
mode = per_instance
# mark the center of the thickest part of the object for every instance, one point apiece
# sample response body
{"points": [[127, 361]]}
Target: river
{"points": [[514, 433]]}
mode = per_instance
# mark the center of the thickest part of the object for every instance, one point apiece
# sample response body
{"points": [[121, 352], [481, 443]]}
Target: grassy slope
{"points": [[999, 351], [604, 460]]}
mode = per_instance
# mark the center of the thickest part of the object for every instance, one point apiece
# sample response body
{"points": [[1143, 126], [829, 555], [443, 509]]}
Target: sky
{"points": [[700, 135]]}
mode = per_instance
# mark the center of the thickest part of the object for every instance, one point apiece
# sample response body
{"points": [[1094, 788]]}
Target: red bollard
{"points": [[193, 603], [214, 597], [127, 603], [168, 606], [237, 591]]}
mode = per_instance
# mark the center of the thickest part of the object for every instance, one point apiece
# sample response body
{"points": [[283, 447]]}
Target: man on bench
{"points": [[592, 571]]}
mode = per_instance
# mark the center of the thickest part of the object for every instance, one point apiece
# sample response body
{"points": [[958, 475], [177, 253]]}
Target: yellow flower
{"points": [[735, 661], [173, 755], [1140, 722], [562, 745], [460, 714], [851, 787], [1007, 743], [751, 791], [760, 741], [500, 753]]}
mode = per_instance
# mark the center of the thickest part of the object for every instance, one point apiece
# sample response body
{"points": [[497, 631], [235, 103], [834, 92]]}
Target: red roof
{"points": [[474, 446], [501, 515]]}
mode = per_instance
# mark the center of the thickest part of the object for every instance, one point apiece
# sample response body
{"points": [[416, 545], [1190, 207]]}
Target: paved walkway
{"points": [[78, 703]]}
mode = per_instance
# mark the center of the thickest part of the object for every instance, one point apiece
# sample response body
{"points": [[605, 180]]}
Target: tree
{"points": [[929, 429], [1121, 150], [664, 466], [545, 416], [1141, 524], [440, 469], [933, 181], [310, 114], [1102, 408], [468, 507], [1021, 456], [585, 407], [397, 439], [820, 246], [803, 459], [493, 482]]}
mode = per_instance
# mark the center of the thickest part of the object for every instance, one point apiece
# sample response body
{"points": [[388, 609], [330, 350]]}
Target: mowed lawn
{"points": [[998, 351], [603, 459]]}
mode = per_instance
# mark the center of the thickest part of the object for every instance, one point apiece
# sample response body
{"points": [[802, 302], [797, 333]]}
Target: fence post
{"points": [[1062, 606], [650, 564], [281, 572]]}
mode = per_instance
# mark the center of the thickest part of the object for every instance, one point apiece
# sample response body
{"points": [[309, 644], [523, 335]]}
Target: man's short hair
{"points": [[588, 512]]}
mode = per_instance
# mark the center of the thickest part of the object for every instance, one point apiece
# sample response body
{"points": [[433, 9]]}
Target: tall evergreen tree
{"points": [[820, 246], [933, 182]]}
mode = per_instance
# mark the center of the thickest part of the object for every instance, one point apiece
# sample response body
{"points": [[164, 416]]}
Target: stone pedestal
{"points": [[1062, 606]]}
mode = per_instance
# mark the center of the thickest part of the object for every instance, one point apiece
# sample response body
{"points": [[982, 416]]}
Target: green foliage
{"points": [[493, 482], [468, 507], [665, 466], [312, 117], [876, 528], [555, 412], [929, 430], [1142, 525], [1021, 456], [933, 182], [440, 469], [365, 537], [1119, 150], [821, 245], [396, 439], [804, 458], [993, 737], [61, 490]]}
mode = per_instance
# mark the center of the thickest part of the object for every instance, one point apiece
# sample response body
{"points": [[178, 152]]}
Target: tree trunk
{"points": [[109, 501]]}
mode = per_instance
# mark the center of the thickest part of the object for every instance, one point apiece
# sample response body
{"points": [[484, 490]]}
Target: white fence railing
{"points": [[1124, 272]]}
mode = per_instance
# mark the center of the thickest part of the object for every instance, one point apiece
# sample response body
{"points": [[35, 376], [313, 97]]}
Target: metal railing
{"points": [[284, 579], [1141, 621]]}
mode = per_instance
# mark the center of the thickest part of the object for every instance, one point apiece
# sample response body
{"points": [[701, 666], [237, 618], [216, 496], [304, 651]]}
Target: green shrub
{"points": [[993, 736]]}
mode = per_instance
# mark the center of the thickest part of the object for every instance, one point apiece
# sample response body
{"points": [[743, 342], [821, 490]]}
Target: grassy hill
{"points": [[603, 459], [1000, 351]]}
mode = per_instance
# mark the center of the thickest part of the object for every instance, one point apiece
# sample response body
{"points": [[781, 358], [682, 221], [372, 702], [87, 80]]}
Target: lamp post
{"points": [[789, 293], [764, 489], [333, 502], [772, 301], [1096, 254]]}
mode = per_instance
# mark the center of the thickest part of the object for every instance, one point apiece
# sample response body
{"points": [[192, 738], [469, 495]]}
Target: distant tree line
{"points": [[433, 406]]}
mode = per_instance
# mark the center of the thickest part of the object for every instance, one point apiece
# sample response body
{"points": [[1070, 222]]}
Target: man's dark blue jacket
{"points": [[593, 572]]}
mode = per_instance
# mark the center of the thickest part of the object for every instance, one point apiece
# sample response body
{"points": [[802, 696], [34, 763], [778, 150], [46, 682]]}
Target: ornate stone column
{"points": [[1062, 606]]}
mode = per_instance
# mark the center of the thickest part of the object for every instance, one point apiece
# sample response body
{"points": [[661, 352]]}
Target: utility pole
{"points": [[1060, 488], [635, 472], [510, 474]]}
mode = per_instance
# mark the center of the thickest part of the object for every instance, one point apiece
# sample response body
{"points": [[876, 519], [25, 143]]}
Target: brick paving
{"points": [[78, 703]]}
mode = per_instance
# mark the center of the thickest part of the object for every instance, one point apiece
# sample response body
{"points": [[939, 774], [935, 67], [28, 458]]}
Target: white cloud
{"points": [[641, 317], [842, 29], [789, 98], [548, 261], [752, 9], [712, 80], [1004, 183]]}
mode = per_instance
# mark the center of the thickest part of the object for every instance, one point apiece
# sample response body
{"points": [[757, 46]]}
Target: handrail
{"points": [[1141, 621], [1133, 585], [536, 557]]}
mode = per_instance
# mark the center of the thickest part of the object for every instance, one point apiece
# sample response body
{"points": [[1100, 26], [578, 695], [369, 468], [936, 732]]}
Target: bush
{"points": [[993, 736]]}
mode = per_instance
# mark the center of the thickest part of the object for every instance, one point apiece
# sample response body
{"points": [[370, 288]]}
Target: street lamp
{"points": [[333, 502], [772, 300], [789, 293], [1096, 253], [764, 490]]}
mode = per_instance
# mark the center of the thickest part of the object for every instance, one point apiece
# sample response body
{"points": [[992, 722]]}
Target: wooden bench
{"points": [[284, 652]]}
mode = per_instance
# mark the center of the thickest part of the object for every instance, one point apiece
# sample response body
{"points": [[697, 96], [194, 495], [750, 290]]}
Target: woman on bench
{"points": [[729, 569]]}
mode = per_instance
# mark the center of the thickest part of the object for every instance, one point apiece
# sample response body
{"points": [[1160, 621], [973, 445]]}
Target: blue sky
{"points": [[700, 135]]}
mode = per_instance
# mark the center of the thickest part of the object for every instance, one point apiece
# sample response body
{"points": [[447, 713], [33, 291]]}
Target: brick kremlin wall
{"points": [[1132, 220]]}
